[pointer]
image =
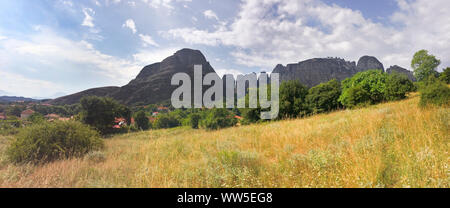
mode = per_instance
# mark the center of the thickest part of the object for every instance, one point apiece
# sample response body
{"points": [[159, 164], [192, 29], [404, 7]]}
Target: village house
{"points": [[26, 113], [2, 116]]}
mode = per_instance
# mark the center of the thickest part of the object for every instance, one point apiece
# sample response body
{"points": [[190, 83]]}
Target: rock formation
{"points": [[319, 70], [401, 70]]}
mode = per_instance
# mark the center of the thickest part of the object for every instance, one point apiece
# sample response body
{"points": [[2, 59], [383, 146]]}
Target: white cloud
{"points": [[210, 15], [88, 19], [130, 25], [145, 57], [69, 65], [132, 3], [148, 40], [269, 32], [163, 3]]}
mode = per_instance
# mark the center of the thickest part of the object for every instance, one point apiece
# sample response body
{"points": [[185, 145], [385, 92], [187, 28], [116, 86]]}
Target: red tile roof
{"points": [[27, 112]]}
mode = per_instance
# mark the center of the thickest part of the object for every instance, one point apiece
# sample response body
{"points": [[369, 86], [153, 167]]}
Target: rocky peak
{"points": [[369, 62], [401, 70]]}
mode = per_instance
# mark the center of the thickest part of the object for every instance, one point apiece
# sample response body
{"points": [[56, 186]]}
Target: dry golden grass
{"points": [[389, 145]]}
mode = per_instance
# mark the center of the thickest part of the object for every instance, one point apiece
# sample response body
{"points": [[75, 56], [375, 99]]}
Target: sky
{"points": [[50, 48]]}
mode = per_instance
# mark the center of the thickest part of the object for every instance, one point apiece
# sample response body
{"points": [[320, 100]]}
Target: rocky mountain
{"points": [[319, 70], [9, 99], [152, 84], [401, 70]]}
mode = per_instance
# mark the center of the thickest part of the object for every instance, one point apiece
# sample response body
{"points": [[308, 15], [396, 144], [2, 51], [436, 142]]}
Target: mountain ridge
{"points": [[152, 84]]}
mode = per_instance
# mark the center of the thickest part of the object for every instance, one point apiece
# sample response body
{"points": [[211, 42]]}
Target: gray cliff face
{"points": [[319, 70], [401, 70]]}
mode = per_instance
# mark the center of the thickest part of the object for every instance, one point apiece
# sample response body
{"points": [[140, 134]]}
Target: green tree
{"points": [[324, 97], [445, 76], [424, 65], [15, 110], [292, 99], [371, 83], [142, 121], [100, 112], [397, 86], [354, 97]]}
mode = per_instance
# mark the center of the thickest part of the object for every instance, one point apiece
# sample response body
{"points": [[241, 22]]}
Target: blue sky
{"points": [[50, 48]]}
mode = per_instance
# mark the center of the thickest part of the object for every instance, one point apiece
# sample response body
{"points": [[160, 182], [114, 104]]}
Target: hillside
{"points": [[388, 145]]}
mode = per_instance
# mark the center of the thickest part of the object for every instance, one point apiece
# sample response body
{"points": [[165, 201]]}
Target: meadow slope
{"points": [[394, 144]]}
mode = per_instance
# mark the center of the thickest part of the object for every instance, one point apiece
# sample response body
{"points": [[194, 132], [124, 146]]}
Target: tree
{"points": [[445, 76], [15, 110], [292, 99], [424, 65], [397, 86], [100, 112], [324, 97], [142, 120], [370, 84]]}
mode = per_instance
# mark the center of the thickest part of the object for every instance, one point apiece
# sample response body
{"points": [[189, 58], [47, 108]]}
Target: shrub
{"points": [[324, 97], [445, 76], [166, 121], [218, 118], [194, 120], [45, 142], [292, 99], [142, 121], [355, 97], [36, 118], [397, 86], [436, 93]]}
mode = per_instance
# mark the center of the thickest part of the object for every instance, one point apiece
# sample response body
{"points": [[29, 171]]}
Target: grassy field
{"points": [[388, 145]]}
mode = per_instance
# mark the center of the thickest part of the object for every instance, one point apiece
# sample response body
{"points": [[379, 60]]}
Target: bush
{"points": [[142, 121], [397, 86], [218, 118], [36, 118], [445, 76], [47, 142], [194, 120], [292, 99], [436, 93], [324, 97], [166, 121], [355, 97]]}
